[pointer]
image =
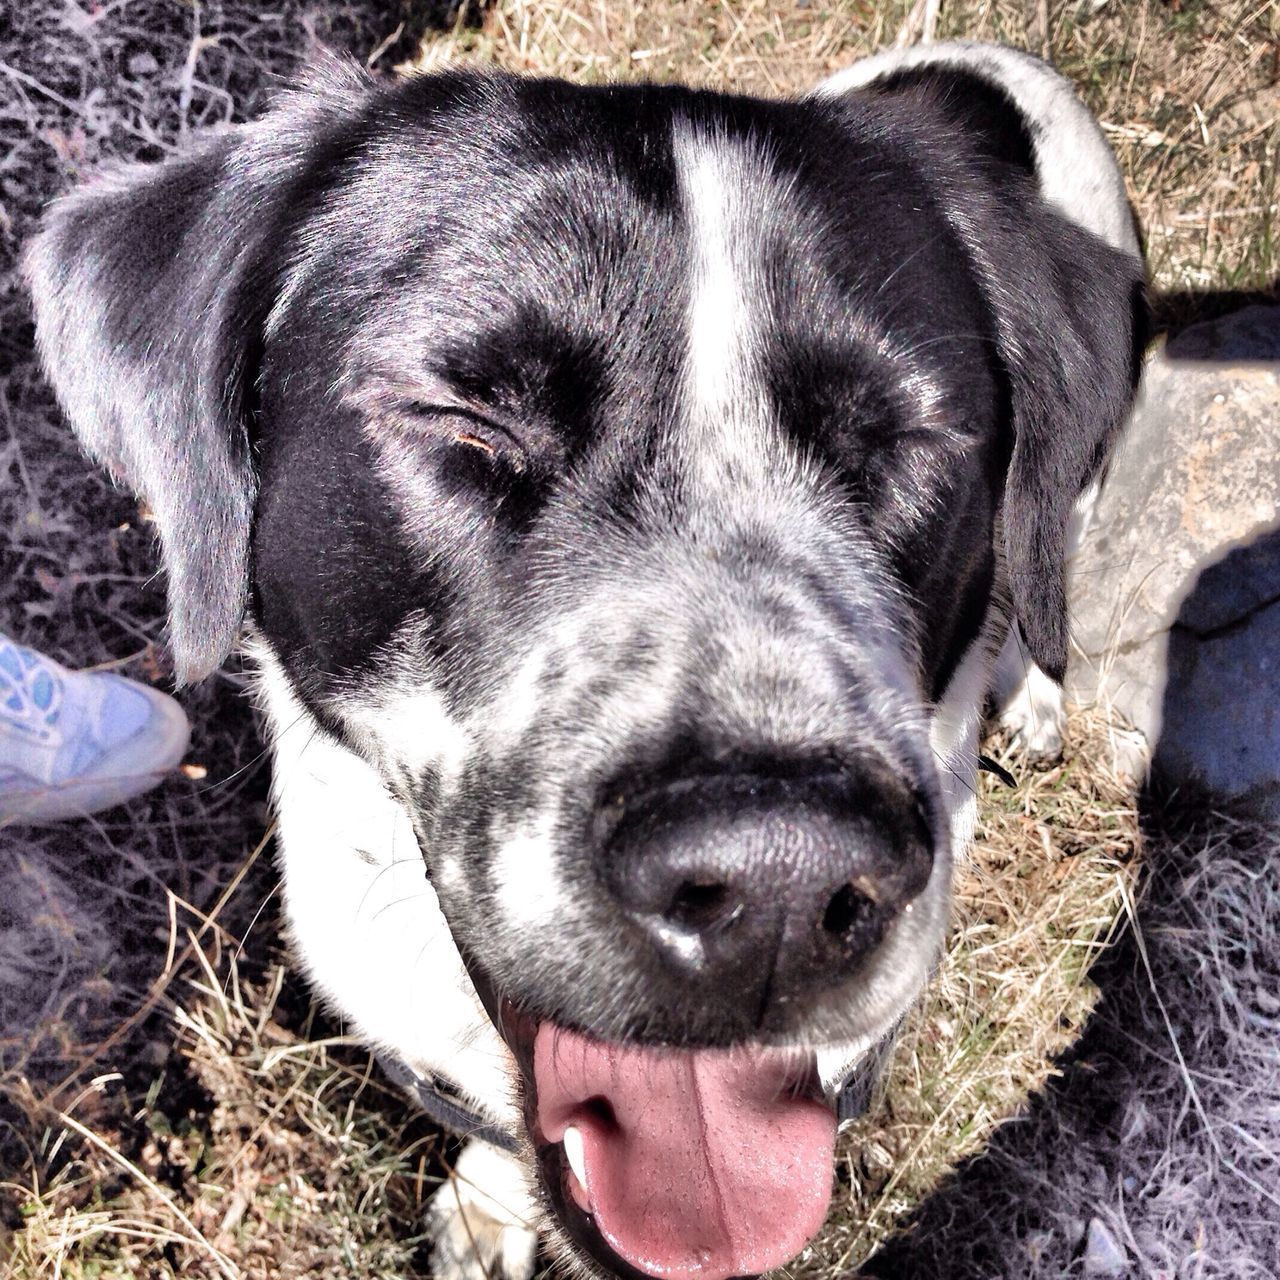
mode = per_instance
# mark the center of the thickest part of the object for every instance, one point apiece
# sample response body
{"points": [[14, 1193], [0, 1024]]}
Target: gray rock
{"points": [[142, 64], [1176, 591], [1103, 1255]]}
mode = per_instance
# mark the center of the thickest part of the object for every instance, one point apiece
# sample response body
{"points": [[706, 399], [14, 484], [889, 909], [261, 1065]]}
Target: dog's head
{"points": [[637, 479]]}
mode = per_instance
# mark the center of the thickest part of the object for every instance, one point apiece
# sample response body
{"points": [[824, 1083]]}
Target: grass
{"points": [[270, 1152], [169, 1102]]}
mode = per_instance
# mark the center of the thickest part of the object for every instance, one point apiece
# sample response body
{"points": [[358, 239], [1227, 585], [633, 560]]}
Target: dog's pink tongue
{"points": [[703, 1163]]}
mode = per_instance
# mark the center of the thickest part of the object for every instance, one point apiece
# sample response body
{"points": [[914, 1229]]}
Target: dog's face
{"points": [[627, 475]]}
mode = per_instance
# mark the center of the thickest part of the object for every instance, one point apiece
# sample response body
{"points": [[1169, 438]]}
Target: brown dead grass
{"points": [[1161, 1136], [268, 1153], [748, 47]]}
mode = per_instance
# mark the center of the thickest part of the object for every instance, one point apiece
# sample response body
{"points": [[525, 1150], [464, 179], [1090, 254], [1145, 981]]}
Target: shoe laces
{"points": [[30, 692]]}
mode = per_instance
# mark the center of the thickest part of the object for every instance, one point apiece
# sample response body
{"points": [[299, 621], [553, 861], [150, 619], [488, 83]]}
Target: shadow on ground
{"points": [[1221, 709]]}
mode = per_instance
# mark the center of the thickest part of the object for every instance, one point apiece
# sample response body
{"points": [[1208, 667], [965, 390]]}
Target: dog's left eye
{"points": [[474, 433]]}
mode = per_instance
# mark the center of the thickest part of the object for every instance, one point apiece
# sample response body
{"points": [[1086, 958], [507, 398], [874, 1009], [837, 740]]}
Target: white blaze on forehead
{"points": [[736, 202], [730, 195]]}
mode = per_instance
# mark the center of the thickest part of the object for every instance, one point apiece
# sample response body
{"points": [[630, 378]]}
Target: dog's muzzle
{"points": [[756, 892]]}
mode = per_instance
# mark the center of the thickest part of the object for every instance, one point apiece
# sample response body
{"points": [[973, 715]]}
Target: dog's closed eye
{"points": [[473, 431], [464, 437]]}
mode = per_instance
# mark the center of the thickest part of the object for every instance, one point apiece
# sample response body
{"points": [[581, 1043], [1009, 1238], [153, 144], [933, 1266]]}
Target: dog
{"points": [[629, 495]]}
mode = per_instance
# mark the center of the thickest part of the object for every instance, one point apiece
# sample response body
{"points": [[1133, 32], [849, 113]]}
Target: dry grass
{"points": [[272, 1153], [167, 1107], [750, 47]]}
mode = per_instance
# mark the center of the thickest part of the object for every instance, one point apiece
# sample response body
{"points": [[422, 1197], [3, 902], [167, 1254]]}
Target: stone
{"points": [[142, 64], [1103, 1255], [1176, 589]]}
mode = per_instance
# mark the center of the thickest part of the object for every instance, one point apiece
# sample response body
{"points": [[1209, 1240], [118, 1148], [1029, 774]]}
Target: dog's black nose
{"points": [[771, 886]]}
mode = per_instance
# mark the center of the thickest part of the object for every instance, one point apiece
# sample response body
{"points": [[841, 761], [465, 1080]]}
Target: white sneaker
{"points": [[74, 742]]}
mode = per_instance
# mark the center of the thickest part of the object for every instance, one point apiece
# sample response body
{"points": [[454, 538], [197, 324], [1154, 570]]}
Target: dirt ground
{"points": [[170, 1103]]}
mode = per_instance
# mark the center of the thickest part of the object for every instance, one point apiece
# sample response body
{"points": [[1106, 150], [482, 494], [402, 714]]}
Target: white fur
{"points": [[953, 737], [719, 180], [484, 1218], [526, 867], [1032, 710], [407, 720], [364, 921], [520, 704], [1032, 707]]}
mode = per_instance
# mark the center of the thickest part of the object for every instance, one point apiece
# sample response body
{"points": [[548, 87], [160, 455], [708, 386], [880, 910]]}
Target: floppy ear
{"points": [[1073, 333], [151, 287], [1049, 228]]}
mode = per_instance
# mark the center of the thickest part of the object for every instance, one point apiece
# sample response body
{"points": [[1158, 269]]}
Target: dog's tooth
{"points": [[576, 1155]]}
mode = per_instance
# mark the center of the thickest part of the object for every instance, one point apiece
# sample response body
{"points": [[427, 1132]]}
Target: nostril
{"points": [[699, 904], [846, 910]]}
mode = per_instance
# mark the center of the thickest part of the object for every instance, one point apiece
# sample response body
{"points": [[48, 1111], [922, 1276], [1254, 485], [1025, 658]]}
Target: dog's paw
{"points": [[481, 1220], [1035, 717], [1031, 708]]}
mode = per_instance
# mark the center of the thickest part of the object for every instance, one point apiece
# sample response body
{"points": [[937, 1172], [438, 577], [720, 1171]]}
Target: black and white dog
{"points": [[629, 490]]}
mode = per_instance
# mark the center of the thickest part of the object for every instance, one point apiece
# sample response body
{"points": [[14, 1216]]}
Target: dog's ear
{"points": [[1053, 237], [151, 287], [1050, 231], [1072, 329]]}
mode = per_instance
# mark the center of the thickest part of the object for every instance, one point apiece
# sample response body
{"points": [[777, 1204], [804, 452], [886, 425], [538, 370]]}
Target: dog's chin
{"points": [[675, 1162]]}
